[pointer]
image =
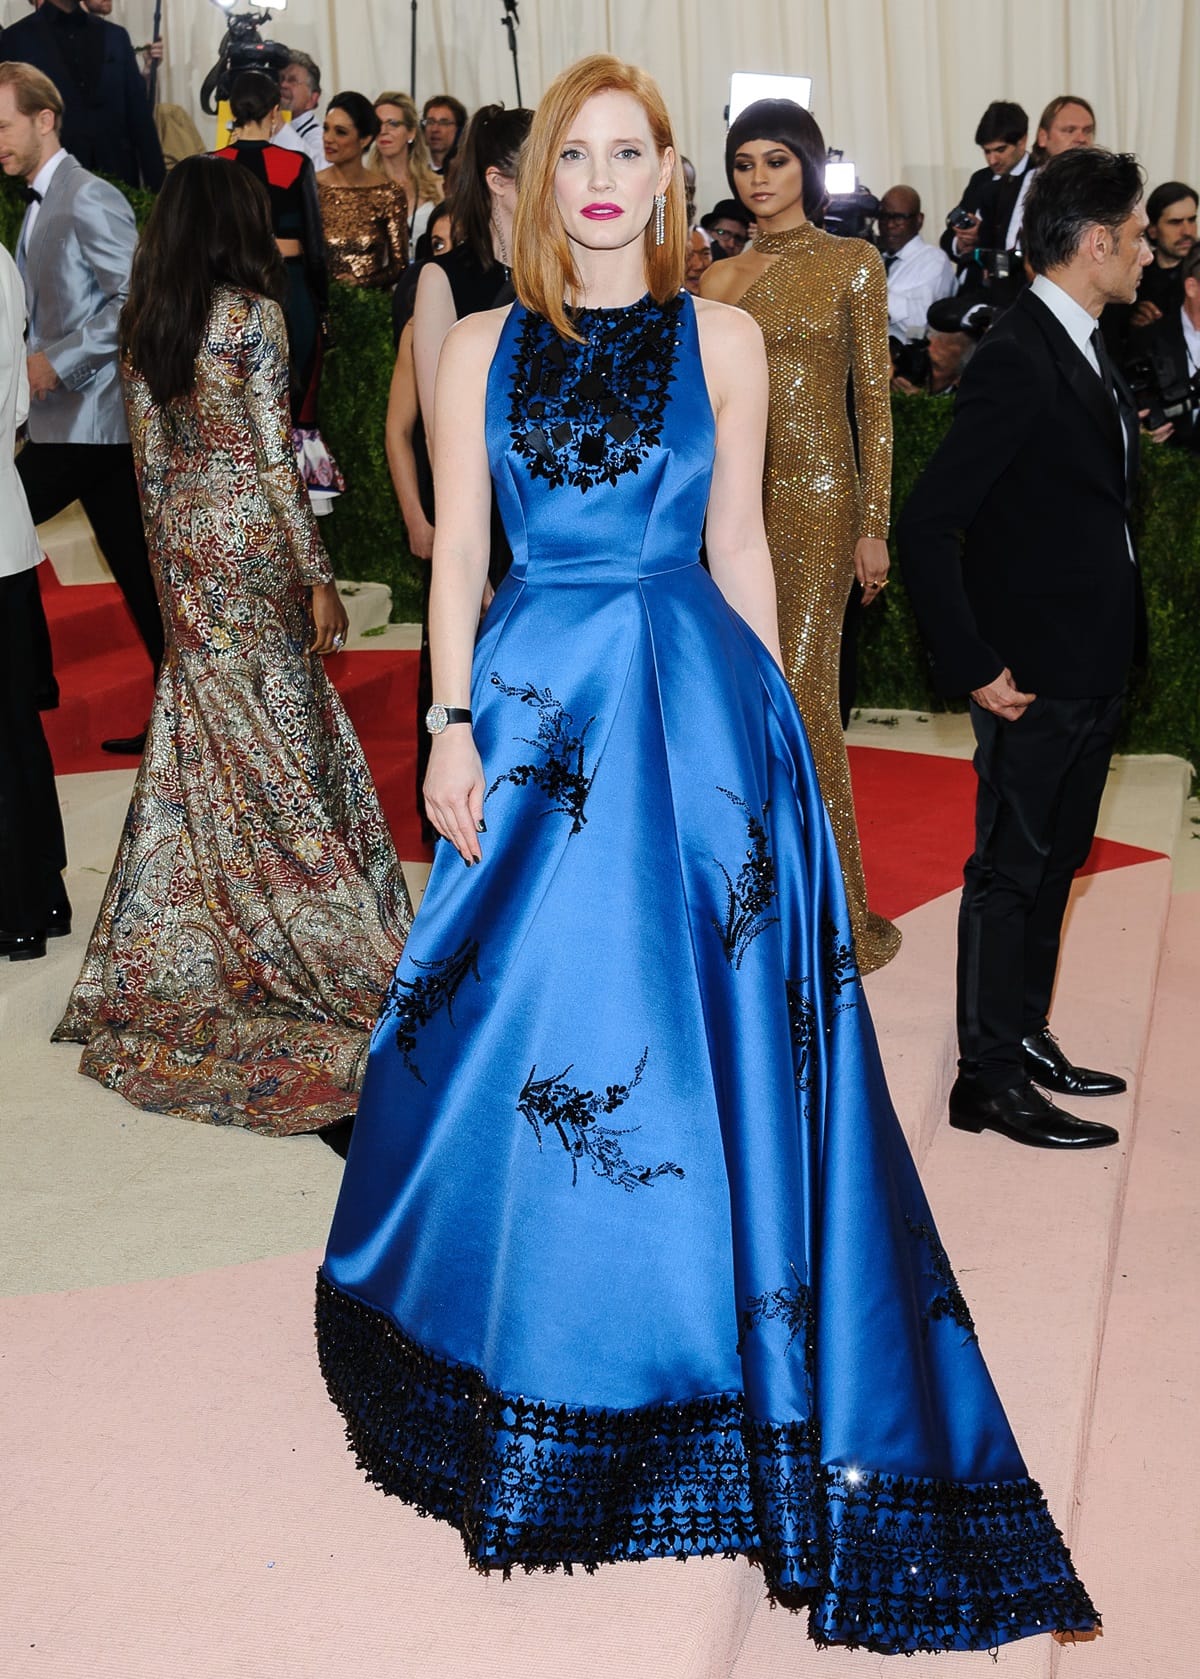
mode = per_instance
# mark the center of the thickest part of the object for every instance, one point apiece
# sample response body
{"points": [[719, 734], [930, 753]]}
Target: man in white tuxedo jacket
{"points": [[74, 255]]}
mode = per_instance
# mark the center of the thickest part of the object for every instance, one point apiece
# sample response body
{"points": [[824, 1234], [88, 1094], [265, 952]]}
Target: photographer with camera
{"points": [[933, 366], [982, 230], [1162, 365], [917, 272]]}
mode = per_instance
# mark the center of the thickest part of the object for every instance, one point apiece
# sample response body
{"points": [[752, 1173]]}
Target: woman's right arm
{"points": [[433, 316], [402, 414], [454, 785]]}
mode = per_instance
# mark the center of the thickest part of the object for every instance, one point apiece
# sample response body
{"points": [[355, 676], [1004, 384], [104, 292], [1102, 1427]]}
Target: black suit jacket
{"points": [[1032, 476], [993, 202], [110, 128]]}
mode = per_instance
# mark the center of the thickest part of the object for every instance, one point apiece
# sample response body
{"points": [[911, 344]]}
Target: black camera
{"points": [[242, 48], [911, 361], [1159, 387], [960, 220]]}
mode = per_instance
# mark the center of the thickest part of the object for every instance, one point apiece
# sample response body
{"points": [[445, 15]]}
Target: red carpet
{"points": [[105, 688], [916, 824], [914, 811]]}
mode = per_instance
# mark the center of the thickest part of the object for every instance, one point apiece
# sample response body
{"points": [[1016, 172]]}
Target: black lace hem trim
{"points": [[881, 1562]]}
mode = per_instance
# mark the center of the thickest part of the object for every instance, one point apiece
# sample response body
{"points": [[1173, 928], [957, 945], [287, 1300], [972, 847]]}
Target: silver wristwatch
{"points": [[438, 717]]}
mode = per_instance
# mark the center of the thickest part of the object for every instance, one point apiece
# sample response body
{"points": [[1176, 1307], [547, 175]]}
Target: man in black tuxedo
{"points": [[107, 122], [1038, 616], [994, 194]]}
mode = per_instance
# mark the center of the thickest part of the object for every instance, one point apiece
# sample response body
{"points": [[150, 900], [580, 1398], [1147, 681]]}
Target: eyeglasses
{"points": [[896, 216], [438, 122], [392, 122], [727, 237]]}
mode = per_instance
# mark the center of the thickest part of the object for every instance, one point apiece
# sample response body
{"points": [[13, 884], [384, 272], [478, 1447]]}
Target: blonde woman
{"points": [[402, 155], [630, 1259]]}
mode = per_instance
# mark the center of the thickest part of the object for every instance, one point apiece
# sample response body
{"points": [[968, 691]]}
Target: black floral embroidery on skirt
{"points": [[841, 966], [885, 1562], [802, 1021], [792, 1306], [560, 775], [412, 1003], [750, 896], [950, 1302], [583, 414], [553, 1105]]}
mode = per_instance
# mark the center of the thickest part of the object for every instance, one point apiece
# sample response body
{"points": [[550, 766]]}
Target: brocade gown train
{"points": [[630, 1258], [256, 908]]}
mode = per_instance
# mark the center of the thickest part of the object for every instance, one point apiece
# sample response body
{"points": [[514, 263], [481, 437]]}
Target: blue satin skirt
{"points": [[631, 1258]]}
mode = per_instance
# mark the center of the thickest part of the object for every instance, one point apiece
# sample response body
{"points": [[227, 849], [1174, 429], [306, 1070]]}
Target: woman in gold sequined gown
{"points": [[365, 214], [256, 909], [821, 302]]}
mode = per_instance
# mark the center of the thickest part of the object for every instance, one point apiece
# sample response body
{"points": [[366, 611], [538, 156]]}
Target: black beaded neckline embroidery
{"points": [[583, 414]]}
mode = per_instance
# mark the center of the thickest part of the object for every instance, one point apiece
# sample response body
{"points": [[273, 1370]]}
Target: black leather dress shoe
{"points": [[1023, 1114], [58, 922], [125, 746], [1046, 1065], [23, 947]]}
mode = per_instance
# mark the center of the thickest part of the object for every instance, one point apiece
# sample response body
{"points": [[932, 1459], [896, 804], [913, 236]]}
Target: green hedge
{"points": [[365, 533]]}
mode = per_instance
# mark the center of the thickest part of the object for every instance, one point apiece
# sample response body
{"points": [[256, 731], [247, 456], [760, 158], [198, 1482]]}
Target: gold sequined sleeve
{"points": [[266, 352], [395, 231], [872, 388]]}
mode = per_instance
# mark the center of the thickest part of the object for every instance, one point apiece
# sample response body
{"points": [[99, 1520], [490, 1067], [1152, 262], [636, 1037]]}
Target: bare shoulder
{"points": [[729, 337], [727, 279], [471, 344]]}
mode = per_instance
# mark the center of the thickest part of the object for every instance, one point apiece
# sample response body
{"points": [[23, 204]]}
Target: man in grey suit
{"points": [[74, 254]]}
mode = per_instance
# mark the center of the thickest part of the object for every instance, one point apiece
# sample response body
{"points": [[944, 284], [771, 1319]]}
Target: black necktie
{"points": [[1127, 420], [31, 195], [1008, 189], [1105, 364], [890, 257]]}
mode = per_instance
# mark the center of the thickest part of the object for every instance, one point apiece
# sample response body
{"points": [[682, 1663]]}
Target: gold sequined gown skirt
{"points": [[811, 531]]}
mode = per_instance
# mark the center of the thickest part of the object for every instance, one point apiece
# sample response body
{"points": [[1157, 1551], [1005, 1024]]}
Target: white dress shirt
{"points": [[1191, 343], [39, 183], [305, 133], [1079, 327], [920, 274]]}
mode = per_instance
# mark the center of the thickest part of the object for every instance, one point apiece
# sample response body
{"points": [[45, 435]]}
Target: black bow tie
{"points": [[31, 195]]}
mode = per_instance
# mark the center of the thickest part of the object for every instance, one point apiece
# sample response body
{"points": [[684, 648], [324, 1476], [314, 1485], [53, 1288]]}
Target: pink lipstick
{"points": [[602, 212]]}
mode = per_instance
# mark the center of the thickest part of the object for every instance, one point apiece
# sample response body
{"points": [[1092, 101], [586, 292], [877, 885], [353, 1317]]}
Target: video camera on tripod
{"points": [[242, 48]]}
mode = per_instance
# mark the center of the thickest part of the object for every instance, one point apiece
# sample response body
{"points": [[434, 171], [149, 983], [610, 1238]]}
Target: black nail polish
{"points": [[481, 826]]}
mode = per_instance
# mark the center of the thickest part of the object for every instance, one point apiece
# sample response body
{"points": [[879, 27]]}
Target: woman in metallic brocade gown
{"points": [[256, 909], [822, 305]]}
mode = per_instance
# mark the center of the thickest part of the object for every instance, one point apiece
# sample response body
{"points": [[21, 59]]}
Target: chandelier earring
{"points": [[660, 218]]}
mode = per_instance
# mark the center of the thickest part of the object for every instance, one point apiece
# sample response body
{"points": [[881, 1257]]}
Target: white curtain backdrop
{"points": [[898, 84]]}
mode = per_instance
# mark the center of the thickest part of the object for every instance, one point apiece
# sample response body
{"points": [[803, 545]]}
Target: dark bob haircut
{"points": [[1170, 192], [210, 226], [1085, 187], [790, 125], [1003, 120], [360, 111]]}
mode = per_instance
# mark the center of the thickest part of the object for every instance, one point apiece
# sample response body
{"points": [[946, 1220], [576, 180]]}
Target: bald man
{"points": [[918, 273]]}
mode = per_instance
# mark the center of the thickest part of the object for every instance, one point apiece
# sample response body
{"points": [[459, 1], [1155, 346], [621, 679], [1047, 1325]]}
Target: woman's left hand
{"points": [[871, 563], [329, 619]]}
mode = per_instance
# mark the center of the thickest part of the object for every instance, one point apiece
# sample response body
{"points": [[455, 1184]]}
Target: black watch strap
{"points": [[439, 717]]}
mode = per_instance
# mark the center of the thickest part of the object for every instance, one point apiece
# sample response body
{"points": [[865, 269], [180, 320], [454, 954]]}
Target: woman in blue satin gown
{"points": [[630, 1258]]}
